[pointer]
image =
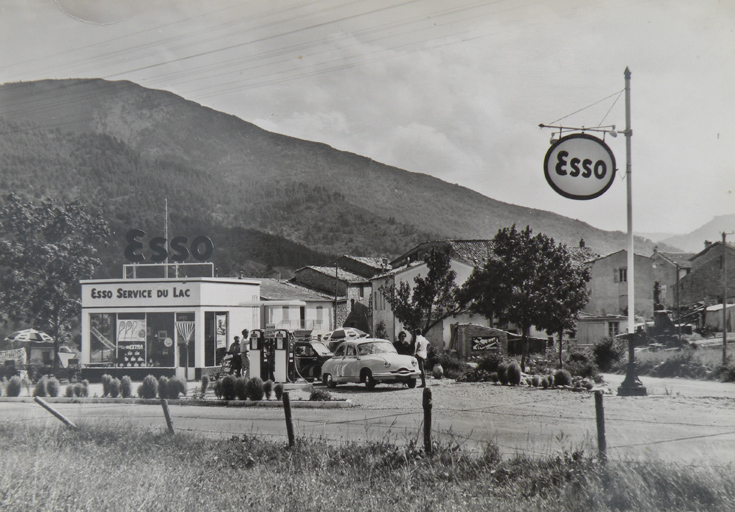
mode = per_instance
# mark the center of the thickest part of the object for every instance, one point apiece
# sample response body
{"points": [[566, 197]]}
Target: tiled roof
{"points": [[342, 275], [273, 289], [678, 258], [474, 252], [376, 263]]}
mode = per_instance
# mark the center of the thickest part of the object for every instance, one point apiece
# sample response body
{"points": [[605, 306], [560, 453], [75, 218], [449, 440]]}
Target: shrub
{"points": [[77, 389], [205, 385], [502, 375], [608, 353], [148, 388], [545, 383], [535, 381], [562, 378], [14, 386], [162, 386], [490, 362], [106, 379], [438, 371], [494, 377], [40, 388], [84, 392], [320, 395], [114, 388], [513, 374], [278, 390], [268, 388], [52, 387], [69, 391], [217, 388], [126, 387], [255, 389], [228, 387], [177, 387], [453, 367], [241, 388]]}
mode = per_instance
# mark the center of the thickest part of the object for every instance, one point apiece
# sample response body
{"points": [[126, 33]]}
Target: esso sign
{"points": [[579, 166], [201, 248]]}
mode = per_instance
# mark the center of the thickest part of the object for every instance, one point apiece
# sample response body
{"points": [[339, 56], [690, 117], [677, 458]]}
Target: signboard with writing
{"points": [[491, 343], [579, 166], [139, 294], [131, 342]]}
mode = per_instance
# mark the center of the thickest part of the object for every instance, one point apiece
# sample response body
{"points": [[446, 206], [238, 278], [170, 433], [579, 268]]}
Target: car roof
{"points": [[363, 340]]}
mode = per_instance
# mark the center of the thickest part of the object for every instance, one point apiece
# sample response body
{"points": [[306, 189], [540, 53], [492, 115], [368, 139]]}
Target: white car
{"points": [[337, 336], [370, 361]]}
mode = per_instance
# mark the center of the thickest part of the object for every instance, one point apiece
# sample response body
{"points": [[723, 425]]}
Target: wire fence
{"points": [[538, 426]]}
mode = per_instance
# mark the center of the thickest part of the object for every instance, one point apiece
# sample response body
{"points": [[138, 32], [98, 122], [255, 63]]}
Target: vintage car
{"points": [[337, 336], [370, 361], [309, 356]]}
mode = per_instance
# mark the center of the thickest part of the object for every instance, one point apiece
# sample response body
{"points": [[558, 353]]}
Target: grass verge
{"points": [[113, 468]]}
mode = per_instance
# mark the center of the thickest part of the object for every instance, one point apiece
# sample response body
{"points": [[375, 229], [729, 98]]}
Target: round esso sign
{"points": [[580, 166]]}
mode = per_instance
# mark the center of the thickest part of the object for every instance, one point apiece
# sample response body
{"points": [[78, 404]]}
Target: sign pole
{"points": [[631, 386]]}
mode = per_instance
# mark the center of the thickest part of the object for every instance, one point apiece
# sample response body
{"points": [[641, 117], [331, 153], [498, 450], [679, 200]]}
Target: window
{"points": [[285, 312], [319, 315], [620, 275], [351, 351], [340, 351], [613, 329]]}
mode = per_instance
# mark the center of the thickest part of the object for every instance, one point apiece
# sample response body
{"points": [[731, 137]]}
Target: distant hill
{"points": [[712, 231], [125, 149]]}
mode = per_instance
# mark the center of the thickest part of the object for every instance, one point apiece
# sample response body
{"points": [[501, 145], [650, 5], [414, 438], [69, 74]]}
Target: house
{"points": [[608, 285], [464, 256], [365, 267], [704, 282], [669, 269], [289, 306], [593, 328], [348, 290]]}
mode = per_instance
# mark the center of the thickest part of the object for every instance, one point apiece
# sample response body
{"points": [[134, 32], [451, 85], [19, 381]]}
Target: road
{"points": [[691, 422]]}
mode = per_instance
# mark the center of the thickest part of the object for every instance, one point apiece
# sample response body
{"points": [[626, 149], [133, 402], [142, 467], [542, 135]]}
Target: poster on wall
{"points": [[131, 342], [221, 331]]}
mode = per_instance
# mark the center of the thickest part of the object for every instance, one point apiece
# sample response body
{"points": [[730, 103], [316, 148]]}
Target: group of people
{"points": [[419, 349], [240, 352]]}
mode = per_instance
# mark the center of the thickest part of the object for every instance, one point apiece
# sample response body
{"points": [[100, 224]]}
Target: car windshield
{"points": [[375, 347], [320, 348]]}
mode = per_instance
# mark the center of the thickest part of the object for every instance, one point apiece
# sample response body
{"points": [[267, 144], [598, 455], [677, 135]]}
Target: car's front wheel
{"points": [[367, 378], [328, 381]]}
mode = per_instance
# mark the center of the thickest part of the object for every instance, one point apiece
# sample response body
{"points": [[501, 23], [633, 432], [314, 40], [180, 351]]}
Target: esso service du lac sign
{"points": [[579, 166]]}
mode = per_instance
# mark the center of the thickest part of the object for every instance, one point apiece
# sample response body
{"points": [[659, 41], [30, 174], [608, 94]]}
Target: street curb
{"points": [[296, 404]]}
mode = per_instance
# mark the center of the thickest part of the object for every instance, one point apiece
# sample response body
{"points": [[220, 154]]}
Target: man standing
{"points": [[245, 353], [421, 353], [236, 362]]}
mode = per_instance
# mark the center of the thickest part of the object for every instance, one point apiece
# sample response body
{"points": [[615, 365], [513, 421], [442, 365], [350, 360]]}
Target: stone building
{"points": [[705, 282]]}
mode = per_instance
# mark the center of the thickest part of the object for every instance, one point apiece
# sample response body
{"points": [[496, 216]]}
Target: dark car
{"points": [[308, 359]]}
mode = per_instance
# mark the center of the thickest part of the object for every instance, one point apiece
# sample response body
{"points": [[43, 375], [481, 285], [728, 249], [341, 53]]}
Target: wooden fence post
{"points": [[289, 424], [58, 415], [601, 441], [164, 404], [427, 420]]}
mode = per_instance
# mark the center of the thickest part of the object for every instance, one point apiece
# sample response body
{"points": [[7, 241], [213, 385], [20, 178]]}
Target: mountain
{"points": [[125, 148], [712, 231]]}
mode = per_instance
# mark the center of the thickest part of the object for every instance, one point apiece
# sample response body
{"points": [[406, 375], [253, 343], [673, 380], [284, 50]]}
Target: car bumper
{"points": [[401, 375]]}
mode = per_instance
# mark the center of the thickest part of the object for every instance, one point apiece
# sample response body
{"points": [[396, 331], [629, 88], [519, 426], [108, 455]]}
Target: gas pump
{"points": [[256, 352], [283, 355]]}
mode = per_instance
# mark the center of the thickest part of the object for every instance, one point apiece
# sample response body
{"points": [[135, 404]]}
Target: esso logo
{"points": [[580, 166], [201, 248]]}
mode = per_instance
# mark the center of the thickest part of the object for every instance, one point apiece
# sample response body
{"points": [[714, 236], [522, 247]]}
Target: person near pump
{"points": [[402, 345], [421, 352], [236, 365], [245, 353], [269, 352]]}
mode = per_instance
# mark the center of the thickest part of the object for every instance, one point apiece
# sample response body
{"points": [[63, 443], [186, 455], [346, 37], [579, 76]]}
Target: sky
{"points": [[451, 88]]}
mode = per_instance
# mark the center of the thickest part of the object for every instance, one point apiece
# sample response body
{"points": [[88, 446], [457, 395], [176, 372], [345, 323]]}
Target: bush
{"points": [[114, 388], [438, 371], [608, 353], [562, 378], [228, 387], [490, 362], [453, 367], [255, 389], [513, 374], [217, 388], [106, 379], [278, 390], [163, 387], [545, 383], [52, 387], [40, 387], [14, 386], [177, 387], [69, 391], [148, 388], [268, 388], [502, 375], [320, 395], [205, 385], [535, 381], [84, 391], [126, 387], [241, 388]]}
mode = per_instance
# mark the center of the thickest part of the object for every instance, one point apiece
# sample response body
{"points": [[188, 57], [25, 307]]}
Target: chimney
{"points": [[707, 243]]}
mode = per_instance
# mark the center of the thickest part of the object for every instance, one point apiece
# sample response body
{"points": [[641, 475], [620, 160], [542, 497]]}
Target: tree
{"points": [[431, 299], [46, 249], [528, 281]]}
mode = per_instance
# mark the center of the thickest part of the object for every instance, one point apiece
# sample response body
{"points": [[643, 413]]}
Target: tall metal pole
{"points": [[631, 386], [724, 299], [165, 230]]}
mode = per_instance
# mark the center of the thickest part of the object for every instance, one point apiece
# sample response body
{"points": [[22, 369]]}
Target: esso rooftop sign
{"points": [[579, 166]]}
